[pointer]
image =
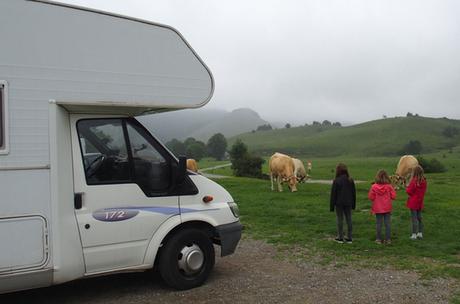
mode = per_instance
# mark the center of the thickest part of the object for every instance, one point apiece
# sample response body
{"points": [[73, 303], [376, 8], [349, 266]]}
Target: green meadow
{"points": [[303, 220], [383, 137]]}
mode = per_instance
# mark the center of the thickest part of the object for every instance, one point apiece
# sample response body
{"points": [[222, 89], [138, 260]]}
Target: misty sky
{"points": [[298, 61]]}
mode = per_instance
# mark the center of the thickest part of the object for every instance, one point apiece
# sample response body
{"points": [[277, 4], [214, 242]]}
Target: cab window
{"points": [[151, 169], [121, 151], [104, 151], [3, 114]]}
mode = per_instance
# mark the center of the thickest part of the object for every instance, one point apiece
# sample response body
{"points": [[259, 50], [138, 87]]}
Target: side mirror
{"points": [[181, 170]]}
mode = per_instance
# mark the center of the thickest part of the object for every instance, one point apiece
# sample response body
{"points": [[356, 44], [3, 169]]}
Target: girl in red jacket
{"points": [[416, 191], [382, 194]]}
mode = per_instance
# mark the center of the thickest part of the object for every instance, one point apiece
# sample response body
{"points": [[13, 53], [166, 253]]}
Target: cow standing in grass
{"points": [[192, 165], [299, 170], [406, 165], [282, 169]]}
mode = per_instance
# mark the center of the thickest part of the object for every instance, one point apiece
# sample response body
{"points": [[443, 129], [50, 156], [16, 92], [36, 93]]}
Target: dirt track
{"points": [[257, 273]]}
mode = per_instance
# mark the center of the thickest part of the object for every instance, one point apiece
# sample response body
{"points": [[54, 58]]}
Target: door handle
{"points": [[78, 200]]}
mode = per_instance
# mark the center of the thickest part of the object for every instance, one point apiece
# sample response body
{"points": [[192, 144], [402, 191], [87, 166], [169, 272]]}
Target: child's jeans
{"points": [[385, 218], [417, 225], [341, 212]]}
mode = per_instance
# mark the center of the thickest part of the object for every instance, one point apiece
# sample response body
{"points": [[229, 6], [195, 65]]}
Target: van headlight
{"points": [[235, 210]]}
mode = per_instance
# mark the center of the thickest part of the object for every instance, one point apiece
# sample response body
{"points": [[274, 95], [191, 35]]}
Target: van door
{"points": [[123, 181]]}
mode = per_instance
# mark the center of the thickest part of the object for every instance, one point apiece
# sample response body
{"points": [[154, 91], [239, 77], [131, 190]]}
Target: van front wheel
{"points": [[187, 259]]}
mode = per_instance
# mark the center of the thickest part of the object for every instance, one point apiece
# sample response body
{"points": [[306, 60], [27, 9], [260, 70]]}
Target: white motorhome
{"points": [[85, 189]]}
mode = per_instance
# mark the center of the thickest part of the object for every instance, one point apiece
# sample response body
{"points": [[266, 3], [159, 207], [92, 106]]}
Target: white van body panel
{"points": [[88, 57], [215, 212], [24, 220], [90, 62], [32, 233], [67, 254]]}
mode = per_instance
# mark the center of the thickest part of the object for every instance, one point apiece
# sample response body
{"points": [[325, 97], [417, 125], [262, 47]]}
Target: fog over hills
{"points": [[201, 123]]}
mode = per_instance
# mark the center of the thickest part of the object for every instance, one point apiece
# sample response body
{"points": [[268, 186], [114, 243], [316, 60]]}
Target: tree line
{"points": [[196, 149], [325, 123], [243, 162]]}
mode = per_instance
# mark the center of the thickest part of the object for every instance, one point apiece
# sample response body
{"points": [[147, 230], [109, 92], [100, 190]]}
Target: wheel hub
{"points": [[191, 259]]}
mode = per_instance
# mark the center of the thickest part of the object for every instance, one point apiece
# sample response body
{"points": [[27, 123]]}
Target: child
{"points": [[343, 199], [382, 194], [416, 191]]}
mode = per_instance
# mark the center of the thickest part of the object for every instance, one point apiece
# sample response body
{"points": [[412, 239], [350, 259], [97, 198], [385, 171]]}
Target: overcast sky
{"points": [[298, 61]]}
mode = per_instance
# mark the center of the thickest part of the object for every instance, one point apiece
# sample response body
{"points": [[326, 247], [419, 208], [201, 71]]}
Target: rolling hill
{"points": [[384, 137], [201, 124]]}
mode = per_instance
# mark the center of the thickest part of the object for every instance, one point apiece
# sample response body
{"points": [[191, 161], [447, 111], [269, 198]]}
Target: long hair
{"points": [[382, 177], [341, 169], [418, 174]]}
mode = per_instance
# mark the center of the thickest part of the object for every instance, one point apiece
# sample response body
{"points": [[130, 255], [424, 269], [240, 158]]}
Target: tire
{"points": [[187, 259]]}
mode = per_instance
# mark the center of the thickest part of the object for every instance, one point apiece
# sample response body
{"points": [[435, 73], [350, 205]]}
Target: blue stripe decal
{"points": [[154, 209], [125, 213]]}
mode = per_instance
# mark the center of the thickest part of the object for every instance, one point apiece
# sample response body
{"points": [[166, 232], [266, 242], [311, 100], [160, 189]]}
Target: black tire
{"points": [[171, 256]]}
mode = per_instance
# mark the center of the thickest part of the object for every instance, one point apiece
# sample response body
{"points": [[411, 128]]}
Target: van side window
{"points": [[1, 117], [152, 171], [3, 114], [104, 151]]}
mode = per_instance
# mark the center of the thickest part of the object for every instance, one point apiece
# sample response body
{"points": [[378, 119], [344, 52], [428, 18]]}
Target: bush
{"points": [[243, 163], [238, 150], [248, 166], [177, 147], [450, 132], [196, 150], [216, 146], [266, 127], [412, 147], [431, 166]]}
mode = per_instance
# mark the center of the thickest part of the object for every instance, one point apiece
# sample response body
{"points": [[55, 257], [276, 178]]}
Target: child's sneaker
{"points": [[378, 241], [387, 242], [419, 235], [413, 236], [348, 241], [339, 240]]}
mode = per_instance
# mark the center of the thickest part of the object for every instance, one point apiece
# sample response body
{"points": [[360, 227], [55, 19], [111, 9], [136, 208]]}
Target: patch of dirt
{"points": [[262, 277], [256, 273]]}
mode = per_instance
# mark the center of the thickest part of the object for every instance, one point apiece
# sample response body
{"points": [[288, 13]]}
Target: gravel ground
{"points": [[256, 273]]}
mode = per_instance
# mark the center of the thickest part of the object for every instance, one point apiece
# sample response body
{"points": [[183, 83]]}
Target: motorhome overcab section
{"points": [[85, 189]]}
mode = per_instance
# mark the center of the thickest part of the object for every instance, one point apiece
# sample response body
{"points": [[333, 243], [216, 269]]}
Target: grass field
{"points": [[302, 219]]}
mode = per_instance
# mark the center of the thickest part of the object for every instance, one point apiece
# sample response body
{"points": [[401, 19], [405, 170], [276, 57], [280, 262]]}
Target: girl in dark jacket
{"points": [[343, 200], [416, 191]]}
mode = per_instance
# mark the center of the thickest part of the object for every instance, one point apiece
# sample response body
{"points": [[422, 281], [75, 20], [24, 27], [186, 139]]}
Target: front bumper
{"points": [[228, 237]]}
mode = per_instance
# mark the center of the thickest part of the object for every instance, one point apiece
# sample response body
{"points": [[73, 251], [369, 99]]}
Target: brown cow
{"points": [[282, 169], [192, 165], [406, 165]]}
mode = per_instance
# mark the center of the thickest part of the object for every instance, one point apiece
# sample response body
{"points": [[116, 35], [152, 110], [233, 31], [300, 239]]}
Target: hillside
{"points": [[384, 137], [201, 124]]}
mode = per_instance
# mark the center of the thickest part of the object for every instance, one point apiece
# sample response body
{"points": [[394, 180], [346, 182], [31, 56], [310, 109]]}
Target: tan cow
{"points": [[282, 169], [299, 170], [192, 165], [406, 165]]}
